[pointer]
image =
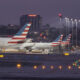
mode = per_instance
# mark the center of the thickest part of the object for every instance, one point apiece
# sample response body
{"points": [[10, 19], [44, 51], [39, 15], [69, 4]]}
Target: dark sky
{"points": [[11, 10]]}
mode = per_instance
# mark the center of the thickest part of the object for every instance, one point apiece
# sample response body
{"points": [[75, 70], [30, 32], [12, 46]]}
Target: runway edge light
{"points": [[66, 54], [18, 66], [1, 56]]}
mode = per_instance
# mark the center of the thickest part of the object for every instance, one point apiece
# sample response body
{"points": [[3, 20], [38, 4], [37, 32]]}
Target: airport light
{"points": [[35, 67], [43, 67], [32, 15], [66, 54], [69, 67], [1, 56], [74, 64], [60, 16], [60, 20], [51, 67], [18, 66], [79, 67], [60, 67]]}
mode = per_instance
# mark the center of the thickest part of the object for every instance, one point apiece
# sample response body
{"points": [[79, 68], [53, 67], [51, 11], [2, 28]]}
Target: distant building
{"points": [[35, 19], [9, 29]]}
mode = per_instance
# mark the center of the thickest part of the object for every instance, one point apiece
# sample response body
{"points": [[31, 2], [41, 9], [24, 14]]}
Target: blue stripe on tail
{"points": [[57, 38], [21, 30]]}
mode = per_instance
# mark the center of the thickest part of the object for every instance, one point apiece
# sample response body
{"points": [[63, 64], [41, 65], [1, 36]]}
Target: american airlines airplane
{"points": [[41, 45], [18, 39], [66, 41]]}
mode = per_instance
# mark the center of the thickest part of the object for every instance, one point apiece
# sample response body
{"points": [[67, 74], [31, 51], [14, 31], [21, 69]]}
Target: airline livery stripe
{"points": [[29, 24], [16, 42], [18, 38], [28, 27], [65, 43], [54, 45], [24, 32]]}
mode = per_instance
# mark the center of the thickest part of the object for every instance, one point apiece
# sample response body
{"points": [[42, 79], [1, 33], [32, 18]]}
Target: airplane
{"points": [[65, 44], [18, 39], [41, 45], [66, 41]]}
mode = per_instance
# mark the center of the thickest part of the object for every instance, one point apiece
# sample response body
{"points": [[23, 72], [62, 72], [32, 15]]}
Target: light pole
{"points": [[60, 17], [76, 22], [66, 25], [79, 22], [72, 22]]}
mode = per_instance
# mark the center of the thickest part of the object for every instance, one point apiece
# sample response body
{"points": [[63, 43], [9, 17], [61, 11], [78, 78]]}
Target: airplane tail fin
{"points": [[59, 38], [67, 39], [21, 35]]}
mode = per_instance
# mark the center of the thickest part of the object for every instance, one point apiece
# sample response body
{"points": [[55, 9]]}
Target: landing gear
{"points": [[45, 51], [28, 51]]}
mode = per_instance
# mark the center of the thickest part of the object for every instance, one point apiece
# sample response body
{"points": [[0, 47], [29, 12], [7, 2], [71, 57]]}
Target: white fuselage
{"points": [[36, 45], [4, 43], [40, 45]]}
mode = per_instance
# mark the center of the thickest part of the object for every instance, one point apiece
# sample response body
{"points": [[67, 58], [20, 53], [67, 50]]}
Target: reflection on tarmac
{"points": [[39, 65]]}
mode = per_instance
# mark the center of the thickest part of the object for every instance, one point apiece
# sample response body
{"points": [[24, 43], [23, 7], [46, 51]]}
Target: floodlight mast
{"points": [[60, 20], [72, 22], [76, 22]]}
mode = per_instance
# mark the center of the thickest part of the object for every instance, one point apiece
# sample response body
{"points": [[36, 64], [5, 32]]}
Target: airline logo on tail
{"points": [[57, 41], [21, 35], [66, 41]]}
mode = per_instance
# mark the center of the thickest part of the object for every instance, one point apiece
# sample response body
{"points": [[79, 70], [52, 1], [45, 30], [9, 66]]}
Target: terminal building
{"points": [[35, 19]]}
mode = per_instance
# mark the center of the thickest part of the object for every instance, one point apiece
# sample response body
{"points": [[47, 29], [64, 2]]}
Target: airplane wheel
{"points": [[46, 51]]}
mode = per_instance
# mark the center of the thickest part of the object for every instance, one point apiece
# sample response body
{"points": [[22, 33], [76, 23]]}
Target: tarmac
{"points": [[21, 65]]}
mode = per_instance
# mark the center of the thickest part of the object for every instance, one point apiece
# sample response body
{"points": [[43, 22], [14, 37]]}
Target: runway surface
{"points": [[39, 65]]}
